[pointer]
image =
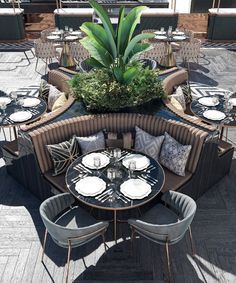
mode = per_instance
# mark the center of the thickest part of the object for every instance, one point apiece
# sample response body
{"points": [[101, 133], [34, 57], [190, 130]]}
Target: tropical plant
{"points": [[114, 49]]}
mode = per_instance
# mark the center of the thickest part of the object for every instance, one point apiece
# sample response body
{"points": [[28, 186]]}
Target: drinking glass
{"points": [[132, 167], [13, 95], [162, 29], [70, 30], [215, 100], [3, 107], [56, 29], [227, 95], [228, 106], [66, 28], [117, 153], [20, 102], [97, 163]]}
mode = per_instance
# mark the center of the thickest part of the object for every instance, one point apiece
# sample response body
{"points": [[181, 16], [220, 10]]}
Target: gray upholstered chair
{"points": [[69, 226], [166, 224]]}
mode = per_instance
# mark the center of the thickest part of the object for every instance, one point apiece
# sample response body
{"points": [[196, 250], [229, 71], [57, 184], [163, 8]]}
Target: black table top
{"points": [[170, 38], [116, 204], [230, 121], [36, 111]]}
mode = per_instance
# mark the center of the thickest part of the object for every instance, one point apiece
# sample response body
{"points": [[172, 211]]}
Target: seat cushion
{"points": [[160, 215], [91, 143], [57, 181], [75, 218], [174, 182]]}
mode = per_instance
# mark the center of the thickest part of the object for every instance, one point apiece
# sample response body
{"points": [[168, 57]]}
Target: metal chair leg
{"points": [[36, 63], [132, 239], [44, 244], [104, 242], [46, 66], [191, 241], [68, 260], [168, 261]]}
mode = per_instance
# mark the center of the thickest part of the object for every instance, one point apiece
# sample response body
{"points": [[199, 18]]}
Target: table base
{"points": [[169, 59], [66, 60]]}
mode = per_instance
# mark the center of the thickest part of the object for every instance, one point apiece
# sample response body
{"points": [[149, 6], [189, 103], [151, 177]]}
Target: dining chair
{"points": [[45, 51], [157, 52], [78, 52], [166, 223], [44, 33], [190, 51], [69, 226]]}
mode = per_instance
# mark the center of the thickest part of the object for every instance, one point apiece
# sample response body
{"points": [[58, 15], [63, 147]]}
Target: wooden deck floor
{"points": [[214, 226]]}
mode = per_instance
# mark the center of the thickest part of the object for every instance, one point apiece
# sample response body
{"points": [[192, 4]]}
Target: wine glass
{"points": [[66, 28], [20, 102], [70, 30], [3, 107], [97, 163], [215, 100], [13, 96], [132, 167], [228, 106], [111, 175], [162, 29], [227, 95]]}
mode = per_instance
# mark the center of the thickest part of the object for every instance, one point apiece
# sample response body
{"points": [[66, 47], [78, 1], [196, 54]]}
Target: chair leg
{"points": [[104, 242], [46, 66], [36, 63], [132, 239], [44, 244], [68, 260], [168, 261], [191, 241]]}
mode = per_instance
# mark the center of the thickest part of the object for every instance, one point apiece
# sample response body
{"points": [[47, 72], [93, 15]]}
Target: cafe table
{"points": [[24, 110], [64, 37], [214, 110], [127, 190], [168, 37]]}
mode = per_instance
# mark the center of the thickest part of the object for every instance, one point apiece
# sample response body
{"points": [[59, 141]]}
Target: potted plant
{"points": [[118, 80]]}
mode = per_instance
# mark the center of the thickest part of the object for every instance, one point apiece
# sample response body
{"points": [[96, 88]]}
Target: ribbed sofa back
{"points": [[120, 123]]}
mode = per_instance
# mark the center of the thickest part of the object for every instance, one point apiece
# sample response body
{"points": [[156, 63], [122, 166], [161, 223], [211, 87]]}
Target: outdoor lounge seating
{"points": [[200, 170]]}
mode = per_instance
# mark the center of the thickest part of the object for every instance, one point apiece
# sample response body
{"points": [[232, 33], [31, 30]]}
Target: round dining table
{"points": [[13, 107], [228, 119], [168, 37], [153, 175], [65, 37]]}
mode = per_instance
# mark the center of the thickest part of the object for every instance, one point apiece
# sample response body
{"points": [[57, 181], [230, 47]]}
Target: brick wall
{"points": [[196, 22]]}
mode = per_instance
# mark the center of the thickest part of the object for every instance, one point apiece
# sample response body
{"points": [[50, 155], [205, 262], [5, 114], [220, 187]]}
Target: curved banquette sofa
{"points": [[204, 167]]}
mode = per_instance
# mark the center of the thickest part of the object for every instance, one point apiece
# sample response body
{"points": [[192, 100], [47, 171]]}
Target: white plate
{"points": [[142, 161], [88, 160], [78, 33], [20, 116], [56, 32], [178, 33], [71, 37], [135, 189], [161, 37], [90, 186], [208, 101], [181, 37], [214, 115], [159, 32], [31, 102], [233, 101], [52, 37], [7, 100]]}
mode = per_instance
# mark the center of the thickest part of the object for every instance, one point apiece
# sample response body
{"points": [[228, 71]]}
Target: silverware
{"points": [[121, 195], [75, 179], [145, 180], [106, 197], [83, 168], [103, 194], [123, 156], [150, 178]]}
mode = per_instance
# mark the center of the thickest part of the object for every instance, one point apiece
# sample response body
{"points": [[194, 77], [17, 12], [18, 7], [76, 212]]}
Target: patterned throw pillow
{"points": [[147, 143], [187, 93], [44, 90], [174, 155], [63, 154], [91, 143], [54, 94], [179, 96]]}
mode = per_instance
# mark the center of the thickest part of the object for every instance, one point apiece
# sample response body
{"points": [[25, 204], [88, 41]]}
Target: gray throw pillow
{"points": [[54, 94], [63, 154], [174, 155], [91, 143], [147, 143], [44, 90]]}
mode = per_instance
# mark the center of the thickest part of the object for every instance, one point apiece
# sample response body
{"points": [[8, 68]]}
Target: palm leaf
{"points": [[130, 74], [94, 63], [119, 29], [138, 49]]}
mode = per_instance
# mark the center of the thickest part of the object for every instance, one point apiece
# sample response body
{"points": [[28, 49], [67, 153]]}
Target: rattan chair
{"points": [[190, 51], [157, 52], [45, 51], [69, 229], [78, 52], [166, 224], [44, 33]]}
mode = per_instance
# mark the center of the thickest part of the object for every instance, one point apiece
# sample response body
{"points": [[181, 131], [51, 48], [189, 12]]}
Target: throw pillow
{"points": [[54, 94], [187, 93], [174, 155], [176, 104], [91, 143], [147, 143], [59, 102], [44, 90], [179, 96], [63, 154]]}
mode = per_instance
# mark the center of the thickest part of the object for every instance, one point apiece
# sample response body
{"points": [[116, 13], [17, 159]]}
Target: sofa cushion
{"points": [[91, 143], [53, 95], [174, 155], [63, 154], [147, 143], [174, 182], [179, 96], [61, 100], [44, 90], [119, 140], [57, 181], [176, 104]]}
